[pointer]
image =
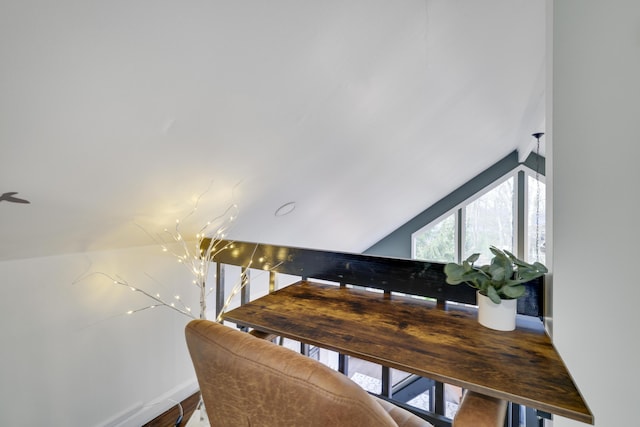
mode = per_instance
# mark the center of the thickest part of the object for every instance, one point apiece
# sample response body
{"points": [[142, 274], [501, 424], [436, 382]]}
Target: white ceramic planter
{"points": [[501, 317]]}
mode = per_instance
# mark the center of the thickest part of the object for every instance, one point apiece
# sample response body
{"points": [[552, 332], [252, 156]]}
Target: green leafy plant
{"points": [[502, 279]]}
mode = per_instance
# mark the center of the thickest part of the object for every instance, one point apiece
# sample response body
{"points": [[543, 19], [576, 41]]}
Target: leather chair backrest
{"points": [[246, 381]]}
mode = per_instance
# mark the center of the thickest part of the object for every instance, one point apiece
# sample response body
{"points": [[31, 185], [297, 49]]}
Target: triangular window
{"points": [[508, 214]]}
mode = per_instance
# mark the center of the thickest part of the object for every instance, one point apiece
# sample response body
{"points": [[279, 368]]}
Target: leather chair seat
{"points": [[247, 381]]}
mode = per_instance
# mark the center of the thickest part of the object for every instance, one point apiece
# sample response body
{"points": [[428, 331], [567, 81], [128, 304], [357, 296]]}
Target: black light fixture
{"points": [[9, 197]]}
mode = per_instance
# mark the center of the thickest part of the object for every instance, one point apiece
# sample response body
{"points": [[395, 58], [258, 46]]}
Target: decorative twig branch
{"points": [[191, 254], [158, 301], [196, 258], [244, 279]]}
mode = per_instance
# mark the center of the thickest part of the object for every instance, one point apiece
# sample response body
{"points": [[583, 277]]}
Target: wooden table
{"points": [[416, 336]]}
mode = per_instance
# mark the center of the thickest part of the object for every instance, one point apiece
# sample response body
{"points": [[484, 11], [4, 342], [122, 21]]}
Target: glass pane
{"points": [[368, 375], [489, 222], [437, 243], [536, 220]]}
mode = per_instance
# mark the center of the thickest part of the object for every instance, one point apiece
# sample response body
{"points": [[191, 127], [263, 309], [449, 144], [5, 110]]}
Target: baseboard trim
{"points": [[140, 414], [170, 416]]}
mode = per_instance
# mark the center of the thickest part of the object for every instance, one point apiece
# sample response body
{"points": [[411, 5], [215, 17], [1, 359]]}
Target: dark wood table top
{"points": [[416, 336]]}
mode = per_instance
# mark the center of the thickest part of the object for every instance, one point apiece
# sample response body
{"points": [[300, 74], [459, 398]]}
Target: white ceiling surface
{"points": [[117, 113]]}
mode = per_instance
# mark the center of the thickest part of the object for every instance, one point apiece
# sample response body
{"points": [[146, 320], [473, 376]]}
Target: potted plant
{"points": [[498, 284]]}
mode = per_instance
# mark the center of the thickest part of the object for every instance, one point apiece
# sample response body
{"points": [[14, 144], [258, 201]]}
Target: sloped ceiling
{"points": [[364, 112]]}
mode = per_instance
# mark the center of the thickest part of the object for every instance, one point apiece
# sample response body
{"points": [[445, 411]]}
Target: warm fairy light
{"points": [[244, 280], [193, 255]]}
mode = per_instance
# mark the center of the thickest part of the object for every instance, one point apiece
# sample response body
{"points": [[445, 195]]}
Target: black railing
{"points": [[388, 274]]}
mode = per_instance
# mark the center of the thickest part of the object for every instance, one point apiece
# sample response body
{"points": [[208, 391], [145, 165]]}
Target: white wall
{"points": [[68, 355], [596, 203]]}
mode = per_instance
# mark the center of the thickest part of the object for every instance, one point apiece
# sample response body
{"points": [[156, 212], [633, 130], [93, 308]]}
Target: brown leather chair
{"points": [[247, 381]]}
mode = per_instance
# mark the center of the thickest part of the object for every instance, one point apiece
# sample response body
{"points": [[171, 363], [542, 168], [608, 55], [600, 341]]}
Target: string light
{"points": [[197, 259], [242, 282], [157, 300]]}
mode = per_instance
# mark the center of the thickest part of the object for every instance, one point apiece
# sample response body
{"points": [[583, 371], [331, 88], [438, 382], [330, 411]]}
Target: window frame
{"points": [[430, 225], [528, 173], [459, 213]]}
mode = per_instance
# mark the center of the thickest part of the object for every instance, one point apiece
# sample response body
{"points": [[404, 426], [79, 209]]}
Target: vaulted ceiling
{"points": [[115, 114]]}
